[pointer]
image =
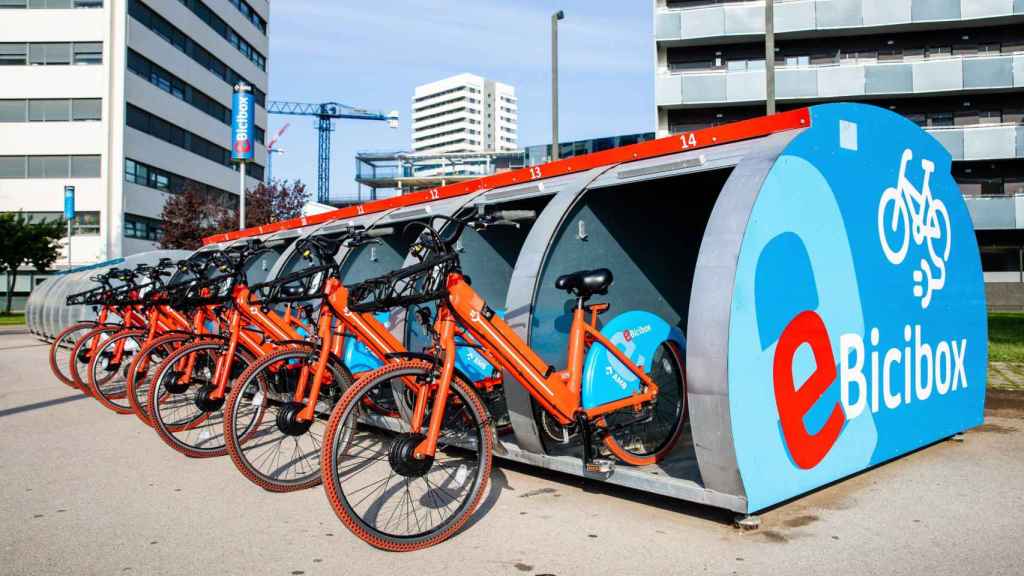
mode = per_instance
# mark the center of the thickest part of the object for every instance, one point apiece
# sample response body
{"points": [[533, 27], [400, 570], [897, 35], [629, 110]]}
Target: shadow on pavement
{"points": [[39, 405]]}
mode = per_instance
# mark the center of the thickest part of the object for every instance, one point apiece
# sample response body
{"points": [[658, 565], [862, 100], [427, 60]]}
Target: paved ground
{"points": [[83, 491]]}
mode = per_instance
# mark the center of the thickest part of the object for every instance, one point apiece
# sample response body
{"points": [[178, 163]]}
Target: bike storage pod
{"points": [[47, 312], [818, 268]]}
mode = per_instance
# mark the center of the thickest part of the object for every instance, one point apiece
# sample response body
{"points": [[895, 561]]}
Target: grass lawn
{"points": [[1006, 336], [12, 320]]}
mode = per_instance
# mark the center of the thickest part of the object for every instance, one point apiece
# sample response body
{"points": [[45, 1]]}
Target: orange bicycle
{"points": [[187, 390], [292, 391], [119, 304], [189, 323], [407, 483], [99, 299]]}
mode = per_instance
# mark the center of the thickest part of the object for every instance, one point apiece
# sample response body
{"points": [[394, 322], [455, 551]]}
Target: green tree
{"points": [[25, 241]]}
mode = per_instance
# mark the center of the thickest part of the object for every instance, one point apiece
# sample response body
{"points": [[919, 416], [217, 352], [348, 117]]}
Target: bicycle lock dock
{"points": [[819, 264]]}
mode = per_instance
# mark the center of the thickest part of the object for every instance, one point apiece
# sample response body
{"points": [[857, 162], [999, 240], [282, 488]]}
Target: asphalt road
{"points": [[84, 491]]}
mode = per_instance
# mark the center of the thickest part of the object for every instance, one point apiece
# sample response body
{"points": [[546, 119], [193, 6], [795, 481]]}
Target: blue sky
{"points": [[372, 54]]}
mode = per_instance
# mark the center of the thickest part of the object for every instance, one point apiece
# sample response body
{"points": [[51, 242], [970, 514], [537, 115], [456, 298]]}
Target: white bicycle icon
{"points": [[917, 215]]}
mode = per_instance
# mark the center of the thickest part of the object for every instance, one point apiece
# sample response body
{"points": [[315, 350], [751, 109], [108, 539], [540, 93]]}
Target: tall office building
{"points": [[956, 67], [128, 101], [464, 113]]}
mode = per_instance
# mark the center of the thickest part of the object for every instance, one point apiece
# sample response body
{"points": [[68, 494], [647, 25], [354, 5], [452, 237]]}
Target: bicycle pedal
{"points": [[600, 466]]}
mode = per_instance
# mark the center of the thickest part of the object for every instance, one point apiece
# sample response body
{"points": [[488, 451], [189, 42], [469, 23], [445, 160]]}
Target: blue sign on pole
{"points": [[69, 202], [242, 142]]}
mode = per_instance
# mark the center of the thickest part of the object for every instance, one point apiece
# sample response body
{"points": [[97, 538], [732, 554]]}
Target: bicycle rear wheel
{"points": [[60, 350], [181, 408], [141, 370], [267, 442], [384, 495], [107, 374], [648, 437]]}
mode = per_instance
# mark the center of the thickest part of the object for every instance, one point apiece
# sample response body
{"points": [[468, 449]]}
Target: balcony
{"points": [[981, 141], [741, 20], [996, 212], [844, 80]]}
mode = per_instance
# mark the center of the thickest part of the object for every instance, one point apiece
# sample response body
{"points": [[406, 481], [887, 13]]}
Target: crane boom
{"points": [[325, 114]]}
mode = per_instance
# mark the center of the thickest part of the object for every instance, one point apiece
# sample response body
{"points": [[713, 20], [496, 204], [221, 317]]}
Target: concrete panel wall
{"points": [[952, 140], [986, 8], [744, 19], [1004, 292], [797, 83], [988, 72], [703, 23], [793, 16], [889, 79], [835, 81], [667, 25], [1018, 69], [743, 86], [704, 88], [886, 12], [668, 90], [927, 10], [939, 75], [985, 143], [992, 213], [838, 13]]}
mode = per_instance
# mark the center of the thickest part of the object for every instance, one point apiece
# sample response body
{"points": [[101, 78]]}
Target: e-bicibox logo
{"points": [[857, 330]]}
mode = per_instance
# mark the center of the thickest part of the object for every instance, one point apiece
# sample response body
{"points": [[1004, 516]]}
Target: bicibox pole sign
{"points": [[242, 136], [857, 330]]}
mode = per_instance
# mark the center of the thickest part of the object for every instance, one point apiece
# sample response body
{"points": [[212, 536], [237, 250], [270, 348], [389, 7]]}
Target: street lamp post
{"points": [[769, 54], [554, 82]]}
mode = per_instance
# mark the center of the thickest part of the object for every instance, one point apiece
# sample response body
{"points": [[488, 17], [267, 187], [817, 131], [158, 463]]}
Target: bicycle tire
{"points": [[211, 421], [113, 397], [340, 434], [80, 357], [243, 443], [62, 347], [138, 382], [669, 372]]}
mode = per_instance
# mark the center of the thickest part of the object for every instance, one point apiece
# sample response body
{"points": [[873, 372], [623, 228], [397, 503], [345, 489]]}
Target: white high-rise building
{"points": [[464, 113], [129, 101]]}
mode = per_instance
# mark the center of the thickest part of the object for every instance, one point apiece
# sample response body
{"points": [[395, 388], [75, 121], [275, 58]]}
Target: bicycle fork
{"points": [[427, 448]]}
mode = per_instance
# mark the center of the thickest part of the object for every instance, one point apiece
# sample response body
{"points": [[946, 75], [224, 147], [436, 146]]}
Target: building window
{"points": [[13, 54], [88, 52], [50, 110], [49, 53], [143, 121], [221, 27], [161, 27], [50, 166], [83, 109], [142, 228], [51, 4]]}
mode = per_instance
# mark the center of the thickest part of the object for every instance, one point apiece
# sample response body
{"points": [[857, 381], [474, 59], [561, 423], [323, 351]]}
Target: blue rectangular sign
{"points": [[69, 202], [242, 141]]}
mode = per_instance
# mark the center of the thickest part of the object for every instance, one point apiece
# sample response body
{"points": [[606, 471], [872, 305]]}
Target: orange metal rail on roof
{"points": [[724, 134]]}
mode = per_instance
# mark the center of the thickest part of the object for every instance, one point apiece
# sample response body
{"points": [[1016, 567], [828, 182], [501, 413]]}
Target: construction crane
{"points": [[272, 149], [326, 113]]}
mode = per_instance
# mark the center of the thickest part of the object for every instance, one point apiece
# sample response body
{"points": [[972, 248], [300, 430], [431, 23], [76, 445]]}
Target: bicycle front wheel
{"points": [[383, 494], [84, 350], [142, 368], [269, 444], [108, 369], [182, 406]]}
